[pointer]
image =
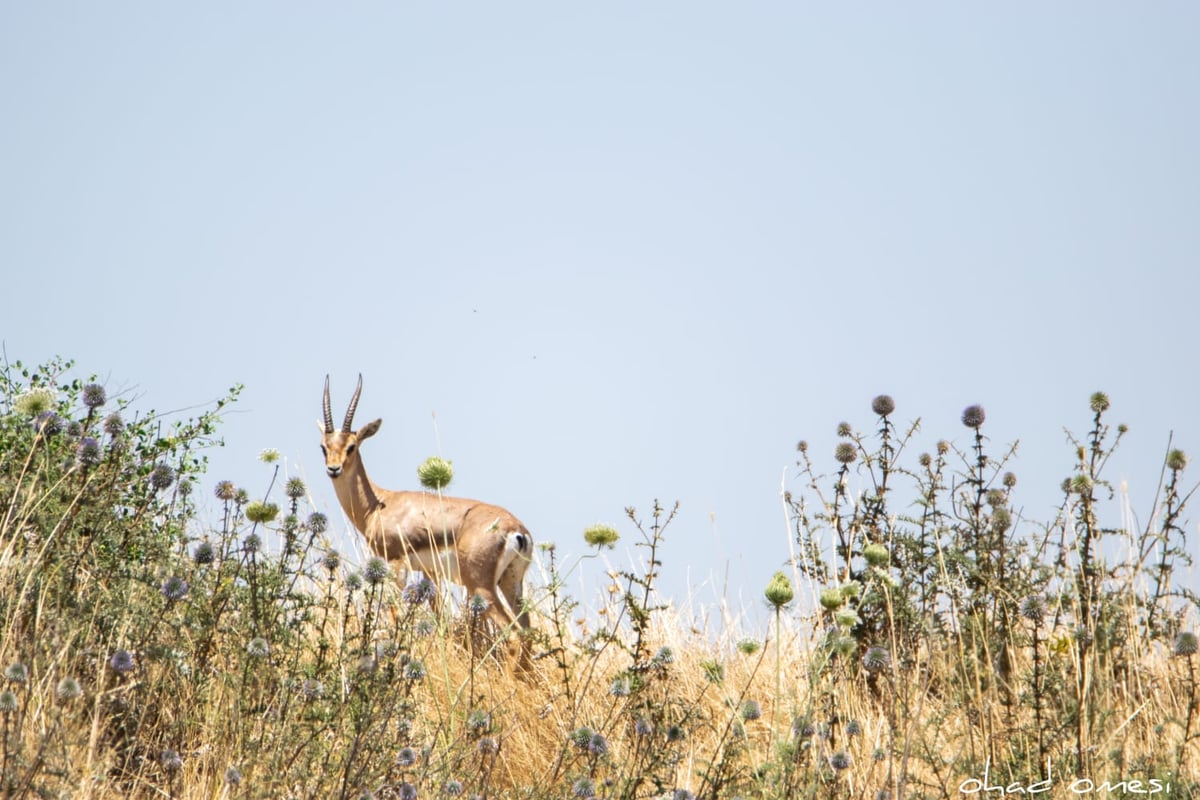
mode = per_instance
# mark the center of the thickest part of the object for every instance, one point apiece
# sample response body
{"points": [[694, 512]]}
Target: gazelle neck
{"points": [[358, 496]]}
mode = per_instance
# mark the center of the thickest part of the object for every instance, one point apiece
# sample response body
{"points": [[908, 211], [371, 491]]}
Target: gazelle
{"points": [[481, 547]]}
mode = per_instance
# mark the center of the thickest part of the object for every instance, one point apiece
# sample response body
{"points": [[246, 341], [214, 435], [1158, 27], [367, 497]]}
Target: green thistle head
{"points": [[1176, 460], [1098, 402], [877, 555], [845, 453], [261, 512], [601, 536], [34, 402], [883, 405], [831, 599], [779, 591], [436, 473]]}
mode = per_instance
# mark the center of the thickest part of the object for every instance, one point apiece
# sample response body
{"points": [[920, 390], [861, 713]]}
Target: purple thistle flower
{"points": [[88, 454], [122, 662], [174, 588], [94, 395], [973, 416], [162, 477]]}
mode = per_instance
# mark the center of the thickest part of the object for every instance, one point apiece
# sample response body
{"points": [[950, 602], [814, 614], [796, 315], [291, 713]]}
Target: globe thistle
{"points": [[751, 710], [204, 553], [844, 429], [407, 792], [883, 405], [294, 488], [854, 728], [121, 662], [477, 605], [174, 588], [601, 536], [1009, 480], [581, 737], [973, 416], [779, 591], [233, 776], [803, 728], [68, 689], [354, 582], [1176, 460], [994, 497], [94, 395], [598, 745], [258, 648], [877, 555], [74, 429], [312, 689], [260, 512], [331, 560], [584, 787], [161, 477], [1185, 644], [269, 455], [420, 592], [170, 760], [1001, 520], [479, 721], [48, 423], [840, 760], [1033, 608], [318, 523], [487, 746], [435, 473], [1098, 402], [225, 490], [845, 453], [113, 425], [845, 645], [925, 460], [676, 733], [8, 701], [663, 657], [877, 658], [1081, 484], [943, 447], [376, 571], [16, 673], [185, 487], [252, 543], [88, 454], [620, 687], [452, 787], [802, 446], [643, 727], [414, 671]]}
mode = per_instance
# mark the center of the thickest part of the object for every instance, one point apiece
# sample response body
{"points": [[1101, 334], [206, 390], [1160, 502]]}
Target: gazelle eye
{"points": [[349, 449]]}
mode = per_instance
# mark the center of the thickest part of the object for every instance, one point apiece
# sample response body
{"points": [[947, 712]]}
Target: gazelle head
{"points": [[341, 446]]}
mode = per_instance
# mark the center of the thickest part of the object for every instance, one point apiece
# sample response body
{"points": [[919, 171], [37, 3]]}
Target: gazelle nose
{"points": [[333, 471]]}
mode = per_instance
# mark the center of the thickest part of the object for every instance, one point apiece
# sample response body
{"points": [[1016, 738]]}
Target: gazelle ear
{"points": [[369, 430]]}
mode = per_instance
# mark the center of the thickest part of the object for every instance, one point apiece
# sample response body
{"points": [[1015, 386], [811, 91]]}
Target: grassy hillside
{"points": [[926, 642]]}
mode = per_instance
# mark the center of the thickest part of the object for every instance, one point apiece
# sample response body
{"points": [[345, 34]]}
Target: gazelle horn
{"points": [[353, 406], [326, 409]]}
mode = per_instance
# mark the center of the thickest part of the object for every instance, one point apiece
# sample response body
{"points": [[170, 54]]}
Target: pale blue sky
{"points": [[621, 250]]}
